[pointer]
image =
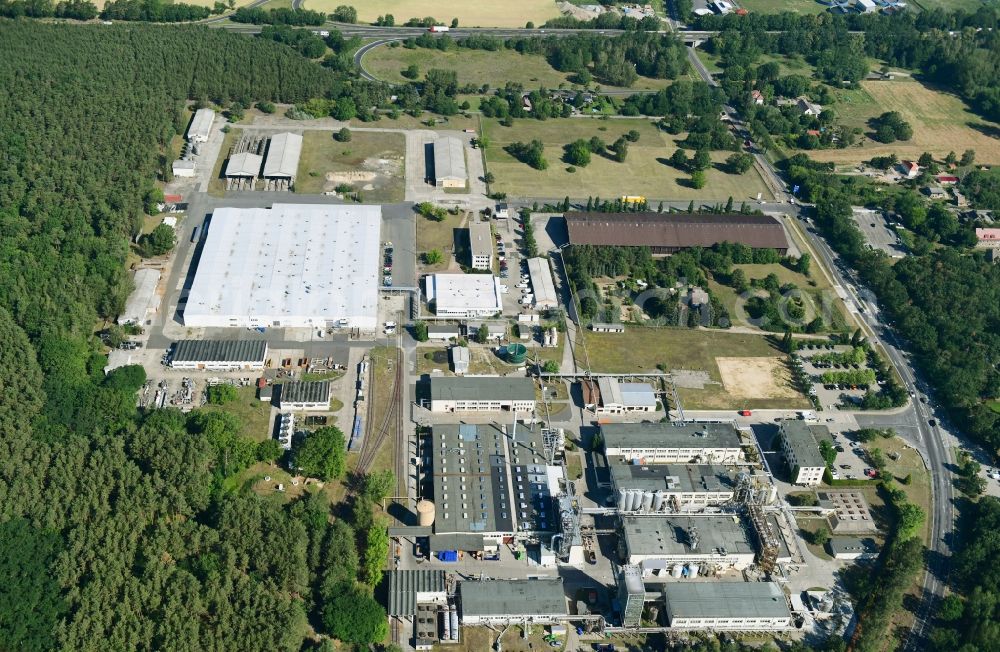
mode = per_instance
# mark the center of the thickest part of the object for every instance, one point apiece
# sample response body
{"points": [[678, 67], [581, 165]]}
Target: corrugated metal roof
{"points": [[541, 282], [201, 124], [283, 155], [449, 159], [244, 164], [143, 299], [314, 391], [404, 585], [472, 388], [674, 230], [219, 351]]}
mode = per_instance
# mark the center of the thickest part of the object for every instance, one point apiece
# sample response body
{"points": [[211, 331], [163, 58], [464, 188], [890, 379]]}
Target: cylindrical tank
{"points": [[453, 618], [677, 571], [555, 337], [425, 513], [647, 501], [622, 500], [658, 500], [516, 353], [693, 570], [446, 629], [633, 500]]}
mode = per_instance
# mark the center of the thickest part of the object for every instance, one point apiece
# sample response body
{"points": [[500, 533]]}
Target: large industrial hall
{"points": [[293, 265]]}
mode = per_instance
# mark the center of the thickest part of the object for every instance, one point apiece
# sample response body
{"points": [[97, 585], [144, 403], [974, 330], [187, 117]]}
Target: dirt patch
{"points": [[691, 379], [375, 172], [756, 378]]}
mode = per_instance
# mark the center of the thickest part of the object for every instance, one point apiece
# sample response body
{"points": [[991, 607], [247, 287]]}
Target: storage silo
{"points": [[446, 625], [693, 570], [658, 500], [453, 618], [635, 499], [647, 501], [516, 353], [622, 500], [677, 571], [425, 513]]}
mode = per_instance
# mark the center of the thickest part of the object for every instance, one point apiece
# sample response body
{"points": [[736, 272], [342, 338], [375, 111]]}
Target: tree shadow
{"points": [[991, 131]]}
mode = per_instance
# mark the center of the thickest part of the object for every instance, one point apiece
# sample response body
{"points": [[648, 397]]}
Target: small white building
{"points": [[599, 327], [866, 6], [853, 548], [460, 359], [218, 355], [542, 283], [183, 168], [143, 300], [464, 295], [201, 126], [442, 331], [609, 396], [480, 245], [502, 211], [808, 108]]}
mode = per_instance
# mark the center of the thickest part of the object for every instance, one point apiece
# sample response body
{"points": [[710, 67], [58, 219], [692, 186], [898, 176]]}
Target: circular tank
{"points": [[693, 571], [677, 571], [647, 501], [622, 500], [516, 353], [425, 513]]}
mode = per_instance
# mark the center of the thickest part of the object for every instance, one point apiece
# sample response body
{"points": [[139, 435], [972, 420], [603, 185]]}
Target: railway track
{"points": [[392, 420]]}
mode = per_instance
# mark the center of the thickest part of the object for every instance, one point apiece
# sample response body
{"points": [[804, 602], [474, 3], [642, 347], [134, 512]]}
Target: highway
{"points": [[929, 440]]}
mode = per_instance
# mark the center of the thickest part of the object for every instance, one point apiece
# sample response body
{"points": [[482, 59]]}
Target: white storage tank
{"points": [[677, 571], [635, 500], [453, 618], [647, 501], [622, 500], [446, 636], [658, 500], [693, 570]]}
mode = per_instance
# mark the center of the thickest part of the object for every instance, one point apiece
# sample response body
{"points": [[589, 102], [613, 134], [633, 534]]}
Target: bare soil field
{"points": [[941, 123], [756, 378]]}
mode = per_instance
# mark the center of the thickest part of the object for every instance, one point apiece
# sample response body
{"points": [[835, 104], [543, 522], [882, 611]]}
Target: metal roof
{"points": [[449, 159], [283, 155], [143, 299], [853, 545], [473, 388], [315, 391], [668, 535], [676, 230], [480, 239], [219, 351], [671, 477], [801, 438], [201, 124], [541, 282], [244, 164], [466, 542], [456, 293], [670, 435], [725, 600], [537, 597], [404, 585]]}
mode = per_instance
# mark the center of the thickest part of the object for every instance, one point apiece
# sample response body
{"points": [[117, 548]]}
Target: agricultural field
{"points": [[779, 6], [372, 163], [646, 170], [713, 365], [941, 123], [513, 13], [478, 67]]}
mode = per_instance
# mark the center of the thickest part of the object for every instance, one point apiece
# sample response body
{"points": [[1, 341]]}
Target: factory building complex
{"points": [[670, 443]]}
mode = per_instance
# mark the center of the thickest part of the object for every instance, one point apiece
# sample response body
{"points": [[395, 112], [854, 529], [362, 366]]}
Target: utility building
{"points": [[143, 299], [464, 295], [727, 606], [219, 355], [667, 233], [801, 450], [480, 245], [663, 488], [244, 166], [294, 265], [449, 163], [310, 395], [201, 126], [667, 443], [609, 396], [658, 544], [482, 394], [500, 602], [542, 284], [282, 161]]}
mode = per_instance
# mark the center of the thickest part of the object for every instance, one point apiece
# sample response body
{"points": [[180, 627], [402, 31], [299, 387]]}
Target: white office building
{"points": [[294, 265], [464, 295], [480, 245]]}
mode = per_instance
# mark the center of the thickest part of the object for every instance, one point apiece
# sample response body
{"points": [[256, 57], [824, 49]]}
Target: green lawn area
{"points": [[779, 6], [909, 463], [854, 106], [712, 61], [478, 67], [438, 235], [645, 171], [405, 121], [254, 414], [641, 349], [994, 405], [432, 359], [574, 465], [789, 65], [377, 158]]}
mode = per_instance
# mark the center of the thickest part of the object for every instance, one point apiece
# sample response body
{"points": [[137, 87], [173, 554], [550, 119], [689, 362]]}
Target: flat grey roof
{"points": [[314, 391], [671, 477], [219, 351], [456, 541], [669, 435], [404, 585], [801, 438], [480, 239], [514, 597], [725, 600], [283, 155], [449, 159], [840, 545], [244, 164], [668, 535], [493, 327], [472, 388]]}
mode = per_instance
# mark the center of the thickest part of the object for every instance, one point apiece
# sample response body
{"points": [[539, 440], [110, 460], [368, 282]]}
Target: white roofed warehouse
{"points": [[143, 299], [464, 295], [293, 265], [282, 161], [449, 163], [201, 126]]}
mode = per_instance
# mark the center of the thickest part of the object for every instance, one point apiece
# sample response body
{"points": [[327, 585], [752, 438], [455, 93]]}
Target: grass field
{"points": [[645, 171], [512, 13], [994, 405], [778, 6], [379, 155], [438, 235], [479, 67], [254, 415], [941, 123], [641, 349]]}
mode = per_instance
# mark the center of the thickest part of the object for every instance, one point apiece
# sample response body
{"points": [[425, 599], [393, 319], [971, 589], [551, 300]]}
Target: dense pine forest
{"points": [[116, 530]]}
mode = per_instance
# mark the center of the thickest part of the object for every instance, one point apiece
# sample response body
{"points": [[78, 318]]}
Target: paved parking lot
{"points": [[877, 232]]}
